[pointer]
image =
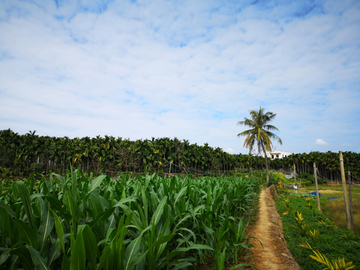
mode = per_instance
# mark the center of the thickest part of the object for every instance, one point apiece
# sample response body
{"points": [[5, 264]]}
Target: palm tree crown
{"points": [[259, 132]]}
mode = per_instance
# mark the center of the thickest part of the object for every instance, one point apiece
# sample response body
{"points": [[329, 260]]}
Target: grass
{"points": [[335, 209]]}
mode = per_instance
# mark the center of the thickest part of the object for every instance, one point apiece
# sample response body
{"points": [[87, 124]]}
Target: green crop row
{"points": [[149, 222]]}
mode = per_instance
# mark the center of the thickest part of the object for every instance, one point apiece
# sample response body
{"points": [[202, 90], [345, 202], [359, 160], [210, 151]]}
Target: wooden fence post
{"points": [[317, 188], [347, 209], [350, 203]]}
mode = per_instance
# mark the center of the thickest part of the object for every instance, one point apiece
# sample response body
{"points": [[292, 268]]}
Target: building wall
{"points": [[277, 154]]}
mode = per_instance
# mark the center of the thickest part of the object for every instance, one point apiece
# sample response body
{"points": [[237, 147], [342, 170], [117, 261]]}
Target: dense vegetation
{"points": [[77, 221], [24, 154], [28, 154], [306, 230]]}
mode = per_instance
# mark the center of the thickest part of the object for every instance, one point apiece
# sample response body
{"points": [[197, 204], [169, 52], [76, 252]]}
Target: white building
{"points": [[276, 154]]}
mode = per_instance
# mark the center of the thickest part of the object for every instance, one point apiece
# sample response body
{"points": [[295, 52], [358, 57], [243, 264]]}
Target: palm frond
{"points": [[270, 127], [322, 259], [259, 133], [305, 245]]}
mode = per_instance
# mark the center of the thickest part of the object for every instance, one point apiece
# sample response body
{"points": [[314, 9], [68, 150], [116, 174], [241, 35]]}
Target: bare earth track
{"points": [[268, 229]]}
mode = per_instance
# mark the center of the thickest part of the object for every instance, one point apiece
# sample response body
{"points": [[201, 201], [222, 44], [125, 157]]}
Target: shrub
{"points": [[308, 177], [311, 178]]}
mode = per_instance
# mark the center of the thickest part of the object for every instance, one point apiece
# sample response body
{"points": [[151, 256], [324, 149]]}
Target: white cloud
{"points": [[230, 150], [320, 142], [186, 70]]}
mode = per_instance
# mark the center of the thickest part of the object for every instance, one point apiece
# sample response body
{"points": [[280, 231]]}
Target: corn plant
{"points": [[78, 221], [240, 241]]}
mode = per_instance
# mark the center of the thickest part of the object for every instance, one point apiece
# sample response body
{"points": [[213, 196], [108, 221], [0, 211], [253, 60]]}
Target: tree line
{"points": [[23, 155]]}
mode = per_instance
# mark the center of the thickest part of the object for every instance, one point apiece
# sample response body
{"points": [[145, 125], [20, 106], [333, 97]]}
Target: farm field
{"points": [[335, 208], [78, 221], [314, 237]]}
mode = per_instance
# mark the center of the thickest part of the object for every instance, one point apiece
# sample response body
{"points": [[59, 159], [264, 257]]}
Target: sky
{"points": [[184, 69]]}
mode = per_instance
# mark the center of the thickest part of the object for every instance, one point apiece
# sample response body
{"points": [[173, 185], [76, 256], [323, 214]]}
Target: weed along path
{"points": [[268, 230]]}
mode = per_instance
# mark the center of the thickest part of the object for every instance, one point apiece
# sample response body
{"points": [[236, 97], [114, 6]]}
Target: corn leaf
{"points": [[181, 193], [91, 248], [70, 203], [24, 257], [46, 226], [25, 198], [96, 182], [107, 259], [54, 252], [62, 180], [57, 205], [8, 209], [65, 265], [6, 226], [78, 256], [158, 212], [39, 262], [4, 257], [102, 216], [60, 231], [27, 234], [131, 253], [14, 262], [125, 200]]}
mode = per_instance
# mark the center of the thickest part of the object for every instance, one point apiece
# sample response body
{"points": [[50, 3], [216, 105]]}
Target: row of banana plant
{"points": [[77, 221]]}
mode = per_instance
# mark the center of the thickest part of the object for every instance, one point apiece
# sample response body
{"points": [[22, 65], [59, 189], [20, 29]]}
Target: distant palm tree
{"points": [[259, 133]]}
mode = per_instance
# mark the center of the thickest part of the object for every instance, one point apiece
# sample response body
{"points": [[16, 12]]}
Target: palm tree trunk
{"points": [[266, 164]]}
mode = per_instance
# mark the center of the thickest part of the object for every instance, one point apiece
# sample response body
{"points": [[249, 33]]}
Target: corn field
{"points": [[77, 221]]}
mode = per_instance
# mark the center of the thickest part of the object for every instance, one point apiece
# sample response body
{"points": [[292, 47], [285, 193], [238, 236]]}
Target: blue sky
{"points": [[185, 69]]}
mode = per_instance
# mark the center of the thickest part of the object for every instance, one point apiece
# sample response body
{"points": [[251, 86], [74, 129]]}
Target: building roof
{"points": [[278, 151]]}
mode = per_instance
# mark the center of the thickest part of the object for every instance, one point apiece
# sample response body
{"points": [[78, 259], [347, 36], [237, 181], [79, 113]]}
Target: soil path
{"points": [[268, 229]]}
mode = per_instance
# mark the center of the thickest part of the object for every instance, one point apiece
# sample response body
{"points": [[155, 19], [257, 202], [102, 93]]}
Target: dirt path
{"points": [[268, 229]]}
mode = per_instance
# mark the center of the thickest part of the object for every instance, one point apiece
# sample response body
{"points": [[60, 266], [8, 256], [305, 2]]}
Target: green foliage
{"points": [[301, 224], [78, 221], [32, 154], [277, 177], [313, 227], [308, 177], [108, 154], [37, 167], [334, 264], [311, 178]]}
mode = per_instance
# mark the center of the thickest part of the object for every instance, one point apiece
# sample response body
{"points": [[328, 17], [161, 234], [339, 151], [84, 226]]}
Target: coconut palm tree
{"points": [[259, 133]]}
